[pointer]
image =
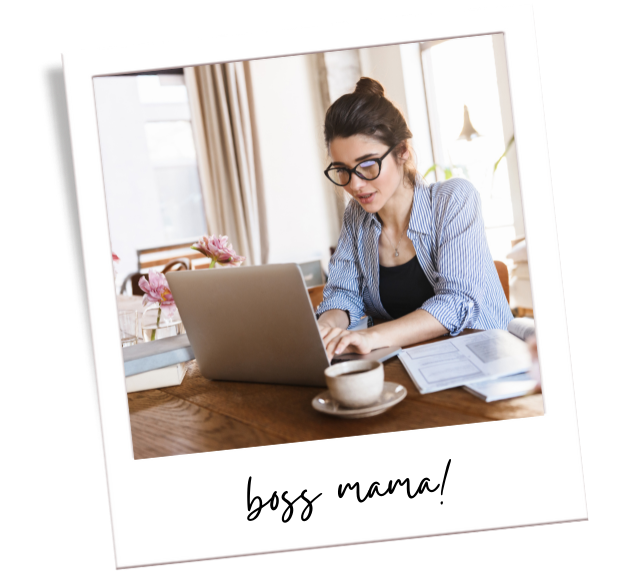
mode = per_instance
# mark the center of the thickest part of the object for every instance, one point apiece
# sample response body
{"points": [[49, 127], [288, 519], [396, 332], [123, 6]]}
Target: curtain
{"points": [[222, 115]]}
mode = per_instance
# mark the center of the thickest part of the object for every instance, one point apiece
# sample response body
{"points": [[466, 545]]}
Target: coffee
{"points": [[362, 390]]}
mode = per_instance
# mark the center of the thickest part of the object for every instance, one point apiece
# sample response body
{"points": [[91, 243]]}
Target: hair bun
{"points": [[369, 86]]}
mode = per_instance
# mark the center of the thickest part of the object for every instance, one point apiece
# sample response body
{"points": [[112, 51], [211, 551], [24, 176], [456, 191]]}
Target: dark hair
{"points": [[367, 111]]}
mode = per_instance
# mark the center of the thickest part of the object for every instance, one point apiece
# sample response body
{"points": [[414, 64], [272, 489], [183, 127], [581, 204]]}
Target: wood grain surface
{"points": [[204, 415]]}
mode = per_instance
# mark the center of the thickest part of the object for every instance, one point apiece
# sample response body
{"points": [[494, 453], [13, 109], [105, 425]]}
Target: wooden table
{"points": [[204, 415]]}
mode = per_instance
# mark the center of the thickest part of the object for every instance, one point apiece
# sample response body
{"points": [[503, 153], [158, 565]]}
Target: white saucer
{"points": [[392, 394]]}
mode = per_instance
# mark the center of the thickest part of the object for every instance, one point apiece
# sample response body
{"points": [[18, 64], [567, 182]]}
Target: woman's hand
{"points": [[410, 329], [337, 340]]}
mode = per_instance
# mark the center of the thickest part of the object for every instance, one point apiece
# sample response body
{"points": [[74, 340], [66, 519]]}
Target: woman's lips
{"points": [[366, 198]]}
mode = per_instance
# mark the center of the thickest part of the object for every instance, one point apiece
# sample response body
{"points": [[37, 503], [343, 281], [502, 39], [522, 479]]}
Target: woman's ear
{"points": [[404, 153]]}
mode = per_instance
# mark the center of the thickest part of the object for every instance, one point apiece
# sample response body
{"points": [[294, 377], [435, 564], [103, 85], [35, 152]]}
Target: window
{"points": [[171, 151], [151, 178], [461, 80]]}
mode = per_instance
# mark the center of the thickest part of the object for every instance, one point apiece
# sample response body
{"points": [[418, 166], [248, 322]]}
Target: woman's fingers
{"points": [[337, 340], [349, 341], [340, 344], [331, 334], [333, 339], [325, 329]]}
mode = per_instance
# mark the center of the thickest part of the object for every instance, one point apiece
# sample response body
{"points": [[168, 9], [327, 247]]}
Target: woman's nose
{"points": [[356, 184]]}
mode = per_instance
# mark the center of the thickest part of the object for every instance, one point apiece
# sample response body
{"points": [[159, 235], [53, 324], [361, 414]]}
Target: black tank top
{"points": [[404, 288]]}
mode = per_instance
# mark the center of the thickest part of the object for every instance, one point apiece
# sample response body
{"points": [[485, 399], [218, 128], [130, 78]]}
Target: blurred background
{"points": [[237, 149]]}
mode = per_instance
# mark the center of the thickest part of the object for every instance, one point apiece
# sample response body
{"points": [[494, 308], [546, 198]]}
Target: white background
{"points": [[502, 474]]}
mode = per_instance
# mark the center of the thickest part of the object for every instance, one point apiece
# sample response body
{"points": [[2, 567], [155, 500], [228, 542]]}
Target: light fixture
{"points": [[468, 131]]}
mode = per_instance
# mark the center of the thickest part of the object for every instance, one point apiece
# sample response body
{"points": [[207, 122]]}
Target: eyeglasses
{"points": [[365, 170]]}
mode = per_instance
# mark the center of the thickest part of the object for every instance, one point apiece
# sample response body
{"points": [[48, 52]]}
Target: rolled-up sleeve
{"points": [[461, 254], [345, 283]]}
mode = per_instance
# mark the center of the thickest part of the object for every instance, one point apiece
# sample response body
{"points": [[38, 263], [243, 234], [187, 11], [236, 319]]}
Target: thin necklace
{"points": [[400, 238]]}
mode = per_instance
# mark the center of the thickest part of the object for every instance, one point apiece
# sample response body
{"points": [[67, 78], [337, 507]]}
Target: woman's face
{"points": [[372, 195]]}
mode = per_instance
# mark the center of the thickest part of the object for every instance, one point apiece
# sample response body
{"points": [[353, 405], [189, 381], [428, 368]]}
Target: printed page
{"points": [[464, 360]]}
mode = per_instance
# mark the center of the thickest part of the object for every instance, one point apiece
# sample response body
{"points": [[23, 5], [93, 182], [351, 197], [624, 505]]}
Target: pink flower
{"points": [[218, 250], [157, 291], [115, 257]]}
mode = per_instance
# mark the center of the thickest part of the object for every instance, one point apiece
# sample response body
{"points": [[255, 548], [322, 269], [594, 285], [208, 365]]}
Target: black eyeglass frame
{"points": [[354, 170]]}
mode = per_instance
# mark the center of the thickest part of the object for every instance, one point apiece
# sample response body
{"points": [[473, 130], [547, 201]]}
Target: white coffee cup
{"points": [[356, 383]]}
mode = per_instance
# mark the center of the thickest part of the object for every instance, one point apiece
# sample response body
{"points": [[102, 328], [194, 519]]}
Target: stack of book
{"points": [[492, 364], [155, 364]]}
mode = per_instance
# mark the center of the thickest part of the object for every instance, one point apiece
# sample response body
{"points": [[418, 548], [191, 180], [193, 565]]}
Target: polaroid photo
{"points": [[221, 440]]}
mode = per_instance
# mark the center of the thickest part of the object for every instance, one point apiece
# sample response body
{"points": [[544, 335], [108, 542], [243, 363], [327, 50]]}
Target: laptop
{"points": [[254, 324]]}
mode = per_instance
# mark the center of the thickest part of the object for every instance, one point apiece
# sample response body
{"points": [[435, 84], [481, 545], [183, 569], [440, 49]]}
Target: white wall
{"points": [[384, 65], [301, 210], [343, 70]]}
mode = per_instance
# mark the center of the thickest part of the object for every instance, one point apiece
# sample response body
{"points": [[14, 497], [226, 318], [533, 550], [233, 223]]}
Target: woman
{"points": [[409, 253]]}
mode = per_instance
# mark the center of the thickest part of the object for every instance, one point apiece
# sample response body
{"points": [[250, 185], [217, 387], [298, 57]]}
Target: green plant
{"points": [[446, 170], [504, 154]]}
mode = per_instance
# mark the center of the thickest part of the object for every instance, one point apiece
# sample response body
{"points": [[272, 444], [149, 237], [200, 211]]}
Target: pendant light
{"points": [[468, 131]]}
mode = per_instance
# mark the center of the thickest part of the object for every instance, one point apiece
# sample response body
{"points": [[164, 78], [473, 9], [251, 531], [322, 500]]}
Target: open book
{"points": [[471, 359]]}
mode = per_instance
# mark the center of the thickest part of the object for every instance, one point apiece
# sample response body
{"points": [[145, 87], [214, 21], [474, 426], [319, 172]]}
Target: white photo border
{"points": [[502, 474]]}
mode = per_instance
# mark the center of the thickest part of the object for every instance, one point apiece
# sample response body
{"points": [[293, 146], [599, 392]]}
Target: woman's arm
{"points": [[407, 330], [334, 318], [467, 288], [342, 303]]}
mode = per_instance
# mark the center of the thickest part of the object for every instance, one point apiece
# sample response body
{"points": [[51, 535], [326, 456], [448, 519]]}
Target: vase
{"points": [[156, 324]]}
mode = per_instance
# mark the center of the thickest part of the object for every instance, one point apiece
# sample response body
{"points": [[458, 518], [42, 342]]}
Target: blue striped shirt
{"points": [[447, 231]]}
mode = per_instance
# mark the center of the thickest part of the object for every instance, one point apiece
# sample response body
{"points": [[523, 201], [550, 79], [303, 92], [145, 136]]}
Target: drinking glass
{"points": [[129, 327]]}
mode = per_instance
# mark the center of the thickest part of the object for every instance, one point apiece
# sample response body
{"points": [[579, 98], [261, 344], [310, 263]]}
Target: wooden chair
{"points": [[159, 256], [177, 265], [504, 278], [523, 312], [133, 278], [316, 295]]}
